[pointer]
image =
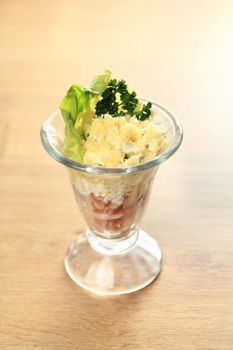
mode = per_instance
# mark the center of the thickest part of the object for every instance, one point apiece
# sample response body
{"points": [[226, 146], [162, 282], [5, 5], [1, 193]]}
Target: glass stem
{"points": [[112, 246]]}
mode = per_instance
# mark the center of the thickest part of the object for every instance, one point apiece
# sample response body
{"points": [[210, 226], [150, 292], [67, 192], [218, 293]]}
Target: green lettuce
{"points": [[100, 82], [73, 145], [78, 108]]}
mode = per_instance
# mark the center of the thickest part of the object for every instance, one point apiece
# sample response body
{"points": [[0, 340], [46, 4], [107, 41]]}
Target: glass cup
{"points": [[113, 256]]}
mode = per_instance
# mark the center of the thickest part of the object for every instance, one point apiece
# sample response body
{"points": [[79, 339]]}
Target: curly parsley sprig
{"points": [[117, 100]]}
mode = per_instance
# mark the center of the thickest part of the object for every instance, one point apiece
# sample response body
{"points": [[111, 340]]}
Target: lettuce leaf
{"points": [[72, 108], [78, 108], [100, 82], [73, 145]]}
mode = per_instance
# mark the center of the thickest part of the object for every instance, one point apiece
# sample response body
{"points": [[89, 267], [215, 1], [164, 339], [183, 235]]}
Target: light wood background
{"points": [[177, 52]]}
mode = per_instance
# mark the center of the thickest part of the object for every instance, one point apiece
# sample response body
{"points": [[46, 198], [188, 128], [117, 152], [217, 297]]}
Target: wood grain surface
{"points": [[179, 53]]}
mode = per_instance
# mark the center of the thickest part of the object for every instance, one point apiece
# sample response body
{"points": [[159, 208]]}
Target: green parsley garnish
{"points": [[117, 100], [145, 112]]}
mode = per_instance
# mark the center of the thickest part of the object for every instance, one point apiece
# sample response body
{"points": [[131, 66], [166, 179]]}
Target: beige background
{"points": [[177, 52]]}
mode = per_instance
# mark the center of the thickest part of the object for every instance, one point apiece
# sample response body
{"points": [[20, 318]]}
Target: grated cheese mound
{"points": [[121, 141]]}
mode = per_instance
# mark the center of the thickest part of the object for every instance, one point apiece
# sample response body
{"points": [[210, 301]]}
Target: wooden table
{"points": [[177, 52]]}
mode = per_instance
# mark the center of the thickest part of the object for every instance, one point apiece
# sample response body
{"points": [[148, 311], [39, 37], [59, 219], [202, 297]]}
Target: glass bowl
{"points": [[113, 256]]}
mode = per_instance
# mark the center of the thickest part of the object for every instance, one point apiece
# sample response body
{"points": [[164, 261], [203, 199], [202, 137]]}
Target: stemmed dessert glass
{"points": [[113, 256]]}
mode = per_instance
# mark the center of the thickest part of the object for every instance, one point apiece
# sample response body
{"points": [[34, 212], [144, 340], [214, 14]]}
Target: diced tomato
{"points": [[107, 216]]}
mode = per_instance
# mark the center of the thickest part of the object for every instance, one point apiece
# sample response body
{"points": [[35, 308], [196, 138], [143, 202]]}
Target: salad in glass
{"points": [[112, 143], [108, 126]]}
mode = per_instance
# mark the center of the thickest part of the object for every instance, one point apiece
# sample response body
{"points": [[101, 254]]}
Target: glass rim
{"points": [[61, 158]]}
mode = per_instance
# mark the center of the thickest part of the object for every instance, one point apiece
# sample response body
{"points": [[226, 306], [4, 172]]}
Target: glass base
{"points": [[112, 266]]}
